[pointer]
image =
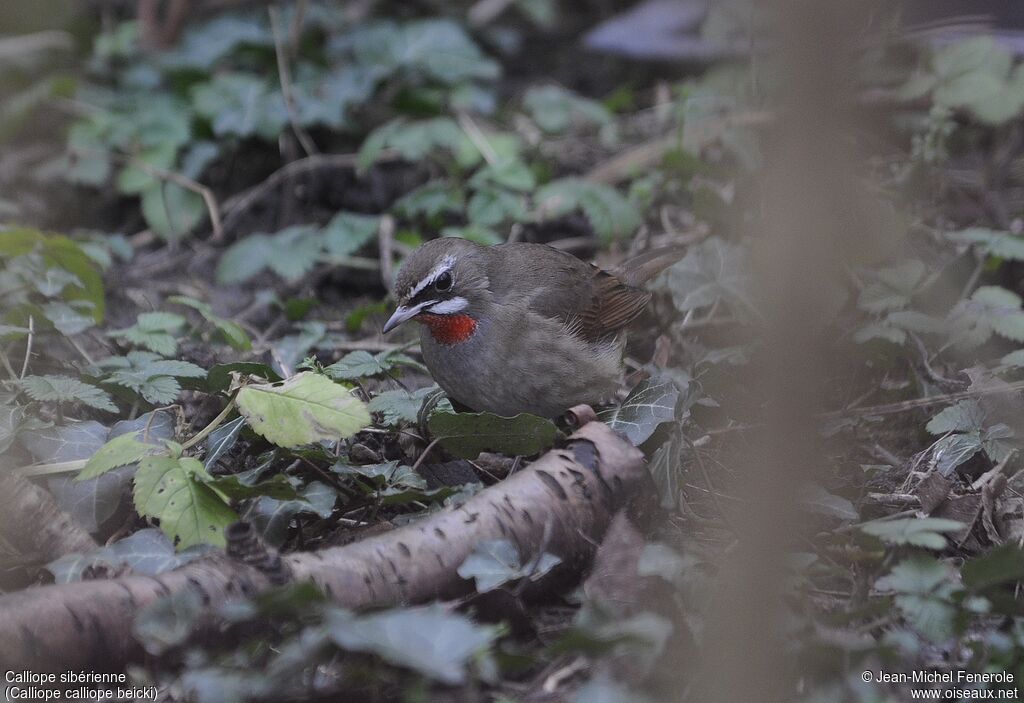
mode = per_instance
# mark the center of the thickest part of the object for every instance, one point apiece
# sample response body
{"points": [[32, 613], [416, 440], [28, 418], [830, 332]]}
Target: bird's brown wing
{"points": [[591, 302], [613, 305]]}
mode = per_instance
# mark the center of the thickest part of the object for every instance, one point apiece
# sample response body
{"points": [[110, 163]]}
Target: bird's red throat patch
{"points": [[448, 329]]}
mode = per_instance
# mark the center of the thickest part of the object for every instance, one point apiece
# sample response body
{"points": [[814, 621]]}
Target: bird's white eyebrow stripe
{"points": [[445, 265], [447, 307]]}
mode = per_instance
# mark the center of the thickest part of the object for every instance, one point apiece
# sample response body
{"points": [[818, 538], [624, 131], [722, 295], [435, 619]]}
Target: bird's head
{"points": [[444, 285]]}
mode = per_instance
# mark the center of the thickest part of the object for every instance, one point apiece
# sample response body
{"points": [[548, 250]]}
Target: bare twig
{"points": [[28, 346], [178, 179], [385, 243], [284, 74]]}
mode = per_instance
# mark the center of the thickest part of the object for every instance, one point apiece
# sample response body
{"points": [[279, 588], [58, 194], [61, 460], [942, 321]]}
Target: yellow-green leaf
{"points": [[306, 408]]}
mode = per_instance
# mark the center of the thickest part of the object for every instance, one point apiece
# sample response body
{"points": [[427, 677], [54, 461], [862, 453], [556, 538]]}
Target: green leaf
{"points": [[1002, 564], [430, 640], [156, 331], [430, 200], [666, 469], [465, 435], [241, 105], [306, 408], [952, 451], [348, 232], [924, 588], [818, 500], [495, 563], [712, 271], [290, 254], [991, 309], [892, 288], [555, 109], [399, 405], [218, 378], [172, 211], [437, 49], [965, 416], [232, 332], [649, 404], [609, 213], [120, 451], [363, 364], [149, 375], [147, 551], [916, 532], [492, 206], [411, 140], [234, 487], [173, 490], [474, 233], [64, 389], [386, 474], [989, 242], [221, 440]]}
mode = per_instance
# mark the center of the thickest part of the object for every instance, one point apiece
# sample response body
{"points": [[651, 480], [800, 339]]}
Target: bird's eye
{"points": [[443, 282]]}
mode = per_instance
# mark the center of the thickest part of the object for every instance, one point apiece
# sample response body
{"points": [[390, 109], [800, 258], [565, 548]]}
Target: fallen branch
{"points": [[563, 501], [32, 521]]}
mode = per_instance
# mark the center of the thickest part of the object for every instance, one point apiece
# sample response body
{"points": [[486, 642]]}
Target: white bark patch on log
{"points": [[571, 493]]}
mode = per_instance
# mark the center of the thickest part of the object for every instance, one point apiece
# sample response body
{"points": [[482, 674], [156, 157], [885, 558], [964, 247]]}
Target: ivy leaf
{"points": [[465, 435], [147, 551], [221, 440], [430, 640], [386, 474], [952, 451], [173, 490], [608, 211], [650, 403], [916, 532], [494, 563], [399, 405], [156, 331], [64, 389], [306, 408], [666, 469], [713, 270], [965, 416]]}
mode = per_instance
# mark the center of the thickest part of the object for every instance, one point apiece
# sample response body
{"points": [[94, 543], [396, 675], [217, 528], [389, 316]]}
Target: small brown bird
{"points": [[521, 327]]}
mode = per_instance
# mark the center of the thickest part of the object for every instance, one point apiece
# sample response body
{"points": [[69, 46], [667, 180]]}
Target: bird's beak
{"points": [[403, 313]]}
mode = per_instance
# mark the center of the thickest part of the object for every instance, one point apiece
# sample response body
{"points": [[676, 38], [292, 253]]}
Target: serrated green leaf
{"points": [[120, 451], [465, 435], [363, 364], [173, 491], [232, 332], [347, 232], [64, 389], [916, 532], [609, 213], [155, 331], [992, 242], [964, 416], [306, 408], [399, 405], [411, 140]]}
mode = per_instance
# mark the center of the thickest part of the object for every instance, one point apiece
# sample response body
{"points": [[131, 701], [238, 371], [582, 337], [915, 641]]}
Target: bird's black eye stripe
{"points": [[443, 282]]}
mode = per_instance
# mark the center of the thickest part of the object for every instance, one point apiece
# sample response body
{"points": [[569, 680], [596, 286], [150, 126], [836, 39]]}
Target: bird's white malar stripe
{"points": [[449, 307], [446, 265]]}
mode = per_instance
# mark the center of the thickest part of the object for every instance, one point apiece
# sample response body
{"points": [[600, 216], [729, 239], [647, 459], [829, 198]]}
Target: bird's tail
{"points": [[643, 267]]}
